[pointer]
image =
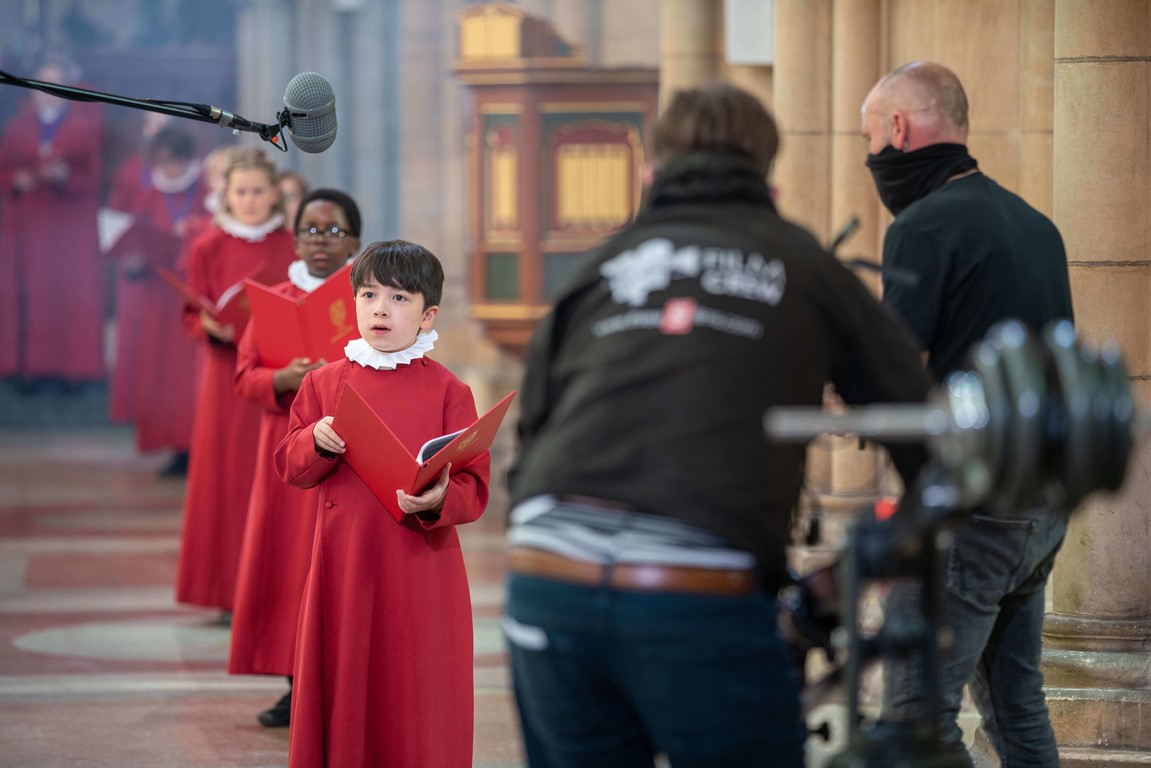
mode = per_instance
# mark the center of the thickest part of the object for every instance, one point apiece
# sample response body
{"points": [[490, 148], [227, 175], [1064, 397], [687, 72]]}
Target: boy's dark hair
{"points": [[342, 199], [178, 142], [718, 118], [400, 264]]}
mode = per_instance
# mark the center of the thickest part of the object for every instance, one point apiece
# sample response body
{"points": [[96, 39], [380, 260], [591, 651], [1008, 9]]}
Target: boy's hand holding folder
{"points": [[385, 465]]}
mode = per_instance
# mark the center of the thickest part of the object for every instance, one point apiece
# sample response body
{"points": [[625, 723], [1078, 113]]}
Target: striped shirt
{"points": [[593, 533]]}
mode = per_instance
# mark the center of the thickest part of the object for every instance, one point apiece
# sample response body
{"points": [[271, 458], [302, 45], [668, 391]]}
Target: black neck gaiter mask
{"points": [[901, 178]]}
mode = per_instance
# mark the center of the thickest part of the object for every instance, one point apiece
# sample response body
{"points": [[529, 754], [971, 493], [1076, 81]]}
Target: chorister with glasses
{"points": [[277, 545]]}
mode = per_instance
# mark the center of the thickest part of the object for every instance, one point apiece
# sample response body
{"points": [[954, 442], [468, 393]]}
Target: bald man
{"points": [[980, 254]]}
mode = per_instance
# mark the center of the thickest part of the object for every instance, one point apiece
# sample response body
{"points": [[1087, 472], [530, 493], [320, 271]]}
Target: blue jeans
{"points": [[611, 678], [993, 604]]}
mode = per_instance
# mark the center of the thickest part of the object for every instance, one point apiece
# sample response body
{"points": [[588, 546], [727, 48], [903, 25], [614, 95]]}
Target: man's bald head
{"points": [[916, 105]]}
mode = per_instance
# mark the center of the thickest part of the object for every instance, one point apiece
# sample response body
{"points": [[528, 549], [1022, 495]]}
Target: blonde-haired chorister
{"points": [[248, 233], [153, 383], [281, 522]]}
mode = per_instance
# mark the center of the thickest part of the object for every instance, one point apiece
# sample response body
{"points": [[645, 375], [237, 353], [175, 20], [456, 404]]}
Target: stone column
{"points": [[580, 22], [801, 97], [855, 66], [370, 56], [691, 44], [1099, 633], [422, 120], [264, 58], [620, 45], [747, 25], [1036, 103], [801, 92], [822, 73]]}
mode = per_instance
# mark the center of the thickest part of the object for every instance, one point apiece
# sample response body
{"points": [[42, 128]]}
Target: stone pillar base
{"points": [[1083, 633], [1076, 757], [1100, 719], [1098, 687]]}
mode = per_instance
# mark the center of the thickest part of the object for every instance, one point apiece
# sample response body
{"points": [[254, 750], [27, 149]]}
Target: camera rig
{"points": [[1032, 420]]}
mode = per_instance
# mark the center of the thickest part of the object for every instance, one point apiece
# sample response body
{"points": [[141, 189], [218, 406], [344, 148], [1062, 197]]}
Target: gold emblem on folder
{"points": [[338, 314]]}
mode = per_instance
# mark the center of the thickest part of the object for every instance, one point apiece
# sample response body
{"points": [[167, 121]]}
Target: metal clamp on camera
{"points": [[1030, 421]]}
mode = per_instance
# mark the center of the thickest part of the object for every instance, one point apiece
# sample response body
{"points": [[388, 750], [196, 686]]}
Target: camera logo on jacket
{"points": [[651, 266]]}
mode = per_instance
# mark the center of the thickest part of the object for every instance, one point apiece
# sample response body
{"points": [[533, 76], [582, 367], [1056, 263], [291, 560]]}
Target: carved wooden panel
{"points": [[555, 151]]}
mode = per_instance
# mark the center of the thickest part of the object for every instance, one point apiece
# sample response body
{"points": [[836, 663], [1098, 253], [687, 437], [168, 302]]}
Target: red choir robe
{"points": [[131, 180], [226, 427], [52, 297], [277, 547], [154, 379], [384, 668]]}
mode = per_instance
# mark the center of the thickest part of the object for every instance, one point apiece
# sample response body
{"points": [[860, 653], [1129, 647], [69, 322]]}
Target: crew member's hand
{"points": [[431, 500], [809, 611], [832, 402], [326, 437]]}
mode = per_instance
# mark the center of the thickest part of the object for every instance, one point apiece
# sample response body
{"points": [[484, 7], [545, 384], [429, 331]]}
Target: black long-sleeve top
{"points": [[648, 382]]}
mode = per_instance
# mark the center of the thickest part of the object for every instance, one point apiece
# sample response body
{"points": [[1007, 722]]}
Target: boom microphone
{"points": [[231, 120], [309, 114]]}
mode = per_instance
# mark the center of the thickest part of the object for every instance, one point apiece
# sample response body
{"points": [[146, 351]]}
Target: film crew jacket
{"points": [[648, 382]]}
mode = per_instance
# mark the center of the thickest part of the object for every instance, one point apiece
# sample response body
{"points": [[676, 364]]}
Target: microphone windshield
{"points": [[310, 105]]}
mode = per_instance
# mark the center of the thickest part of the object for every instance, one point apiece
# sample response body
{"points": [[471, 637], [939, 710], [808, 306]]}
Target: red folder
{"points": [[154, 246], [232, 306], [385, 465], [316, 326]]}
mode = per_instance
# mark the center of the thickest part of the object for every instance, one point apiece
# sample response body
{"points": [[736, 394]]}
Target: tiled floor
{"points": [[99, 667]]}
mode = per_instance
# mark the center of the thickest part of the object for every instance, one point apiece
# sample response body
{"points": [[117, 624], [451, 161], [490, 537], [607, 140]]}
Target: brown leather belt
{"points": [[635, 576]]}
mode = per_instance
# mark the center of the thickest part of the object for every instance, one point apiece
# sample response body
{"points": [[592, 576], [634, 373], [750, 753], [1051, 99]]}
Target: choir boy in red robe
{"points": [[383, 672], [277, 548], [51, 325], [134, 175], [215, 164], [249, 232], [132, 181], [155, 368], [293, 188]]}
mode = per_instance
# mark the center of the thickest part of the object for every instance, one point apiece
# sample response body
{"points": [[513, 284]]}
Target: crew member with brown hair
{"points": [[650, 510]]}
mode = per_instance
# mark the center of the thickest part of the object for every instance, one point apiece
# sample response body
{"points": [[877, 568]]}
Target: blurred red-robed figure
{"points": [[52, 297]]}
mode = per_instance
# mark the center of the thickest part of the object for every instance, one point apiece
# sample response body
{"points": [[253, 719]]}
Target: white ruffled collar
{"points": [[168, 186], [303, 279], [252, 233], [359, 351]]}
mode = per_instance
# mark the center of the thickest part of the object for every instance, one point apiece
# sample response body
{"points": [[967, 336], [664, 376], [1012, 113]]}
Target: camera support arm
{"points": [[1031, 422]]}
